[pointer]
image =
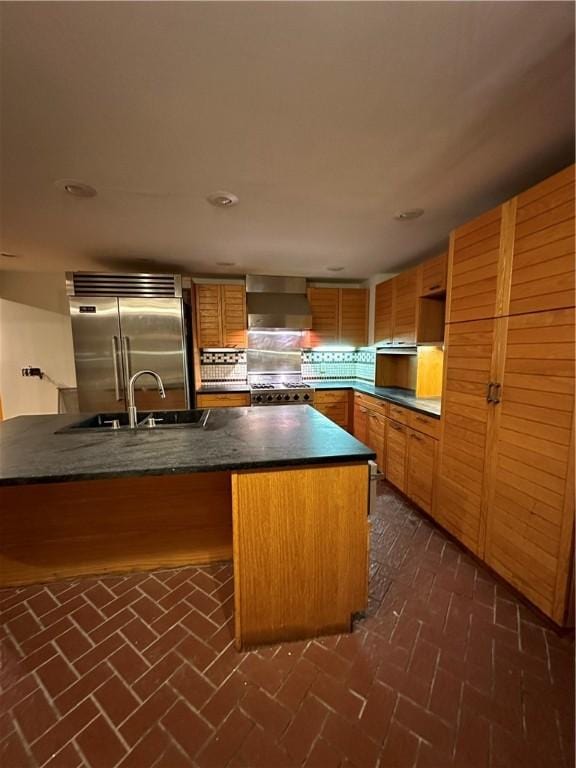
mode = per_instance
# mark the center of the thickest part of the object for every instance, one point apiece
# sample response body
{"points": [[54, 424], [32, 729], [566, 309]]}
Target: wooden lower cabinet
{"points": [[396, 454], [376, 438], [360, 421], [421, 469], [335, 404], [224, 400], [530, 472], [505, 480]]}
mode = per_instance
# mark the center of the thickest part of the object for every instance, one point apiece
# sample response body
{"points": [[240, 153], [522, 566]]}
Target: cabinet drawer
{"points": [[427, 424], [325, 396], [398, 413], [228, 400], [372, 403]]}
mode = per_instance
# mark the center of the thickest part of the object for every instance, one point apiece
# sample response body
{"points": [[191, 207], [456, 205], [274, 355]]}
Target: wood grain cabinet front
{"points": [[221, 315], [339, 316], [396, 454], [360, 421], [224, 400], [376, 438], [421, 470], [405, 306], [383, 312], [334, 404], [434, 275]]}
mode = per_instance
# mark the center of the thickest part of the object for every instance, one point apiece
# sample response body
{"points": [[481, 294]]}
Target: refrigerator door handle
{"points": [[126, 354], [115, 364]]}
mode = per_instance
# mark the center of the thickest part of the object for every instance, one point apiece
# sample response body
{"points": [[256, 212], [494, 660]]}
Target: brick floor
{"points": [[448, 669]]}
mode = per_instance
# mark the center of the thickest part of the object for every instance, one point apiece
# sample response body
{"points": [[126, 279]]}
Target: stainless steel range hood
{"points": [[277, 302]]}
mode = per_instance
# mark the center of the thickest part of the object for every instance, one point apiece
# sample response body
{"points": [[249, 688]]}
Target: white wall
{"points": [[34, 330]]}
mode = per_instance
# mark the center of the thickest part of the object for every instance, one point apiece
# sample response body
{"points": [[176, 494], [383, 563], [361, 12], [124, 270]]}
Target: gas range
{"points": [[281, 393]]}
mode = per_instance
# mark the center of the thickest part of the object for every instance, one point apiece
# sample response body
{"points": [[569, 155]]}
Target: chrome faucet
{"points": [[132, 410]]}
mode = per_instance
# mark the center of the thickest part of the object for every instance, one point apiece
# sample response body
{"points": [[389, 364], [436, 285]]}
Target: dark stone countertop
{"points": [[234, 438], [431, 406], [221, 387]]}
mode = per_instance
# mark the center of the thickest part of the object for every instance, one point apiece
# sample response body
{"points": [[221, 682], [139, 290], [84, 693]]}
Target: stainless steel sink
{"points": [[113, 422]]}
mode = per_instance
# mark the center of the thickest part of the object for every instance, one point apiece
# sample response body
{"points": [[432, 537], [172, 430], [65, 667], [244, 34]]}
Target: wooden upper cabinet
{"points": [[434, 275], [221, 315], [339, 316], [530, 515], [208, 316], [543, 251], [475, 263], [405, 306], [234, 319], [324, 303], [383, 312], [354, 316]]}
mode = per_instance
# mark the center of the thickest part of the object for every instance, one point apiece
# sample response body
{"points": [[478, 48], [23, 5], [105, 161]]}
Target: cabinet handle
{"points": [[423, 419], [434, 287], [489, 398], [397, 427], [496, 396], [414, 436]]}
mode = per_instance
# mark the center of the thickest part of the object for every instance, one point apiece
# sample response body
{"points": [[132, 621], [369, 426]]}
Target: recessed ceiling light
{"points": [[76, 188], [9, 255], [411, 213], [335, 269], [223, 199], [225, 263]]}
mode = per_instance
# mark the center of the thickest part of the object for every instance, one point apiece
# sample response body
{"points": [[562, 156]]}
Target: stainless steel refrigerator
{"points": [[142, 326]]}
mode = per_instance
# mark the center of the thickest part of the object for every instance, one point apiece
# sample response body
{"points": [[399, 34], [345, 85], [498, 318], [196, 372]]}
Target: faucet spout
{"points": [[132, 410]]}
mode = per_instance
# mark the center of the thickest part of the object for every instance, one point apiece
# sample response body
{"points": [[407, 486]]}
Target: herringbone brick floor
{"points": [[448, 669]]}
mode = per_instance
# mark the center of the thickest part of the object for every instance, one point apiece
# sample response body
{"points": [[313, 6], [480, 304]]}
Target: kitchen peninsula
{"points": [[284, 491]]}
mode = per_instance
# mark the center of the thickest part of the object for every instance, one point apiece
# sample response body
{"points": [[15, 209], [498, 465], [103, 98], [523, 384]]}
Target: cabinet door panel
{"points": [[532, 463], [543, 254], [396, 454], [234, 316], [474, 263], [421, 469], [209, 316], [434, 275], [324, 303], [354, 316], [383, 312], [360, 422], [461, 461], [377, 438], [405, 307]]}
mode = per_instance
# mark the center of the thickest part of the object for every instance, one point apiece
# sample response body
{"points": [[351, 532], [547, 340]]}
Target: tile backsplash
{"points": [[354, 364], [223, 365], [230, 365]]}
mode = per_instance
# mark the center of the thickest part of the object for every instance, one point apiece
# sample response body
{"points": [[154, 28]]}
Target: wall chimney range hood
{"points": [[277, 302]]}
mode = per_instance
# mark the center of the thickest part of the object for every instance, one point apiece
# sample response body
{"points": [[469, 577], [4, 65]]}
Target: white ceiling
{"points": [[324, 118]]}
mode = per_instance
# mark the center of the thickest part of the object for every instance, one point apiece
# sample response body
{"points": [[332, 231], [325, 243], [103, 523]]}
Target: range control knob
{"points": [[306, 397], [269, 398], [258, 398], [296, 397], [278, 397], [287, 397]]}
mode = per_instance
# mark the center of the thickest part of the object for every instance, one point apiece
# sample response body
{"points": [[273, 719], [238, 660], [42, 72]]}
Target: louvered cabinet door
{"points": [[383, 311], [325, 305], [396, 454], [354, 316], [530, 511], [405, 307], [464, 427], [421, 468], [543, 255], [377, 438], [234, 323], [360, 422], [434, 275], [208, 316], [474, 264]]}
